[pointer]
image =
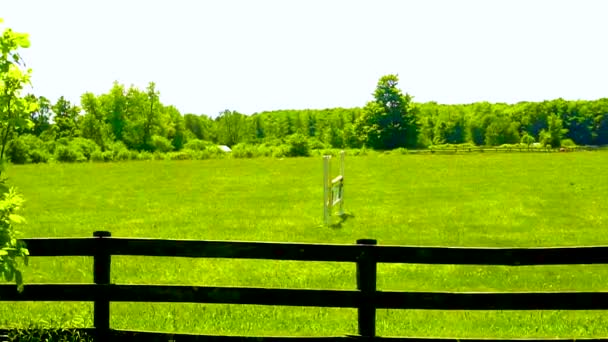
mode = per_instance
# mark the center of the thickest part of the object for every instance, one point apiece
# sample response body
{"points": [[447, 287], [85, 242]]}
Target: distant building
{"points": [[225, 148]]}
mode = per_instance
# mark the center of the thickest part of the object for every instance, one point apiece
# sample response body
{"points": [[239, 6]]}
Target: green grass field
{"points": [[462, 200]]}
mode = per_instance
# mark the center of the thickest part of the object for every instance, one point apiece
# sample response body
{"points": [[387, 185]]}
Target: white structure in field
{"points": [[333, 189]]}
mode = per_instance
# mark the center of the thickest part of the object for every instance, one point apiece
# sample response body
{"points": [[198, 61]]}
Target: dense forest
{"points": [[127, 119]]}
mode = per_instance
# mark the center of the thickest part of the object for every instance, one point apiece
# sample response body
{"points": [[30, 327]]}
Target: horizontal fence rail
{"points": [[366, 298], [320, 252], [462, 149], [309, 297]]}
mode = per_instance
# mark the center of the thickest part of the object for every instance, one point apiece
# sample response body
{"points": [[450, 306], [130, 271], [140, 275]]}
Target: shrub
{"points": [[49, 134], [298, 146], [17, 151], [527, 139], [85, 146], [400, 150], [62, 141], [212, 151], [568, 143], [158, 156], [508, 146], [331, 152], [39, 156], [181, 155], [316, 144], [144, 156], [50, 146], [206, 154], [117, 146], [108, 156], [264, 150], [123, 155], [244, 151], [197, 145], [280, 151], [97, 156], [161, 144], [273, 142], [68, 154]]}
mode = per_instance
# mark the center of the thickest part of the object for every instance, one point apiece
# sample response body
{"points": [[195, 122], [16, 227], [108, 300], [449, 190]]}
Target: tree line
{"points": [[132, 119]]}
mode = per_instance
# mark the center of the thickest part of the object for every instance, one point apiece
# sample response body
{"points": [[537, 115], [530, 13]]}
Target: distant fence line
{"points": [[366, 298], [460, 149]]}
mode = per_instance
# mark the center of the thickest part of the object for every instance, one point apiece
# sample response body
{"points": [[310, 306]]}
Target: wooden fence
{"points": [[366, 299], [481, 149]]}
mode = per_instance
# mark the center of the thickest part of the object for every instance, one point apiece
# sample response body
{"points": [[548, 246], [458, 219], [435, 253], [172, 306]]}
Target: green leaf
{"points": [[16, 218], [19, 280], [8, 274]]}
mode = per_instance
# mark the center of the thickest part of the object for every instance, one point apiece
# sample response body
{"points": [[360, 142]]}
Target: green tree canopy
{"points": [[390, 120], [15, 109]]}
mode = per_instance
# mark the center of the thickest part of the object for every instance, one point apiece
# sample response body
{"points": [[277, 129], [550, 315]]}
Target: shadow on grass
{"points": [[341, 220]]}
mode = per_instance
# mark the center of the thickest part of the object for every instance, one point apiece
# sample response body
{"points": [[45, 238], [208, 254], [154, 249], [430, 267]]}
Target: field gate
{"points": [[333, 189]]}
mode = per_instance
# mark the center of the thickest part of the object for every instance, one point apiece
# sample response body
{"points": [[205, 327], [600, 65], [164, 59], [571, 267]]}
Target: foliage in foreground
{"points": [[14, 115], [11, 249], [48, 335]]}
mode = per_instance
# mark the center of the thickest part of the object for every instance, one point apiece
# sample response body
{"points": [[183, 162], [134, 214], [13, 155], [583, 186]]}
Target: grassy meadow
{"points": [[556, 199]]}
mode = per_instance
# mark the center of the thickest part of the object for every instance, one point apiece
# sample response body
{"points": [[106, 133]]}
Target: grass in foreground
{"points": [[468, 200]]}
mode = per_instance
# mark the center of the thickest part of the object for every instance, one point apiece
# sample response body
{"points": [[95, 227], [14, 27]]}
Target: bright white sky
{"points": [[255, 55]]}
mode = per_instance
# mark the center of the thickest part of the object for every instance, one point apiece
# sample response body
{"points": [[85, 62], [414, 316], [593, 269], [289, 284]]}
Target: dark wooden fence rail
{"points": [[366, 299], [462, 149]]}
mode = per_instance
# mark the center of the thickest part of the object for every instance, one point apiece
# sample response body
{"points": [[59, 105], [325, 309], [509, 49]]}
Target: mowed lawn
{"points": [[558, 199]]}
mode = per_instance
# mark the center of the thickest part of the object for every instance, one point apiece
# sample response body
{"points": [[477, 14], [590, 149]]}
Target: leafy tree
{"points": [[527, 139], [139, 122], [194, 124], [151, 115], [41, 116], [544, 137], [232, 125], [602, 129], [556, 131], [390, 120], [579, 122], [114, 104], [14, 113], [93, 124], [65, 118], [14, 109], [161, 144], [449, 126], [176, 127], [535, 118]]}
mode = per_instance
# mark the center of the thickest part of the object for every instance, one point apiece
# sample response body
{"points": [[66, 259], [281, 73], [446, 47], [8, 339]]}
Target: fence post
{"points": [[326, 190], [101, 276], [366, 283], [342, 183]]}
